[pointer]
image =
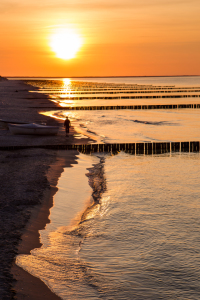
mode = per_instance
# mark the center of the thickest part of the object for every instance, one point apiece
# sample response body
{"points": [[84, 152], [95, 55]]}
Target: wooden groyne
{"points": [[116, 107], [125, 97], [132, 148], [71, 93]]}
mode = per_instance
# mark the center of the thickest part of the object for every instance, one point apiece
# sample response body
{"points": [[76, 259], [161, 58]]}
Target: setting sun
{"points": [[65, 43]]}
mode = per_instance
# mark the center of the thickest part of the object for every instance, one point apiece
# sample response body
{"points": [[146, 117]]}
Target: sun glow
{"points": [[65, 43]]}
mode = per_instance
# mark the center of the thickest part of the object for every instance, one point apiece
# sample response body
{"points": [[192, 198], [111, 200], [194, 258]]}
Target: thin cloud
{"points": [[6, 6], [82, 5]]}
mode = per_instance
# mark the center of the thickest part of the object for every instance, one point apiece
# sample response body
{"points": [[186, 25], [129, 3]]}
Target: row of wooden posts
{"points": [[124, 88], [116, 107], [88, 97], [71, 93], [132, 148]]}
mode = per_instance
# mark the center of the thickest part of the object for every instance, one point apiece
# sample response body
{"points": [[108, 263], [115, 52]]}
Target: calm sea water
{"points": [[125, 226], [127, 126]]}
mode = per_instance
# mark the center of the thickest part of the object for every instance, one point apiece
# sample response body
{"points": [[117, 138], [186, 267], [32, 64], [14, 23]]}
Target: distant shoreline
{"points": [[145, 76]]}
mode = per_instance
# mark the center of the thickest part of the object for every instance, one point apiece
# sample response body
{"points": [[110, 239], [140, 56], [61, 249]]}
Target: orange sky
{"points": [[120, 37]]}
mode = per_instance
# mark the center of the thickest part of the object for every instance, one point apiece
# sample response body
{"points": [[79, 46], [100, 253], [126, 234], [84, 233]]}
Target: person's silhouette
{"points": [[67, 125]]}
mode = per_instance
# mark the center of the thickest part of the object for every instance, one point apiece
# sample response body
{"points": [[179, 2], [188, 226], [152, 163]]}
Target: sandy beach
{"points": [[28, 183]]}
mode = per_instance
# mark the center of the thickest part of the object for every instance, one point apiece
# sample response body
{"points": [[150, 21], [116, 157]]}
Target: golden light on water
{"points": [[65, 43], [66, 82], [67, 91], [65, 103], [72, 115]]}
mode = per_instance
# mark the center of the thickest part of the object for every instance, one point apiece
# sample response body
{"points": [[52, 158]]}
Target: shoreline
{"points": [[29, 178], [27, 285]]}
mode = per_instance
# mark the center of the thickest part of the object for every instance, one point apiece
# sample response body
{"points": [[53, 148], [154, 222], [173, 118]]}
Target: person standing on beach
{"points": [[67, 125]]}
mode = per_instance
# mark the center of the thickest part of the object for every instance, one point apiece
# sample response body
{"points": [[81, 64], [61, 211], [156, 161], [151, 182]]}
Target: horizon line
{"points": [[129, 76]]}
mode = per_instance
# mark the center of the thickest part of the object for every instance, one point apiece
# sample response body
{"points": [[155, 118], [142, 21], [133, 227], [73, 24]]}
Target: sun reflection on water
{"points": [[66, 82]]}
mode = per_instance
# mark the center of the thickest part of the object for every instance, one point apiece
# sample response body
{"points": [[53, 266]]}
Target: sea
{"points": [[124, 225]]}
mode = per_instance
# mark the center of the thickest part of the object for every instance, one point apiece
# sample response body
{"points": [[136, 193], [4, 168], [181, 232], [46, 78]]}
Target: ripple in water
{"points": [[138, 236]]}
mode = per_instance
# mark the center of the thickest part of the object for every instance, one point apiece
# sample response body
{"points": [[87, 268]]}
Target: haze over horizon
{"points": [[78, 38]]}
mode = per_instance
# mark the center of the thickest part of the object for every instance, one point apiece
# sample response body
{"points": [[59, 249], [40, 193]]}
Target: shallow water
{"points": [[125, 226], [130, 126], [140, 242], [160, 81]]}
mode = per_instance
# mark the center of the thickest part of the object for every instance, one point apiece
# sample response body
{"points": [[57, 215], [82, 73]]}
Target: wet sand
{"points": [[28, 286], [28, 182]]}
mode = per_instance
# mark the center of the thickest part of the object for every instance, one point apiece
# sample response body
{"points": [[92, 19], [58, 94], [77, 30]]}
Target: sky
{"points": [[118, 37]]}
